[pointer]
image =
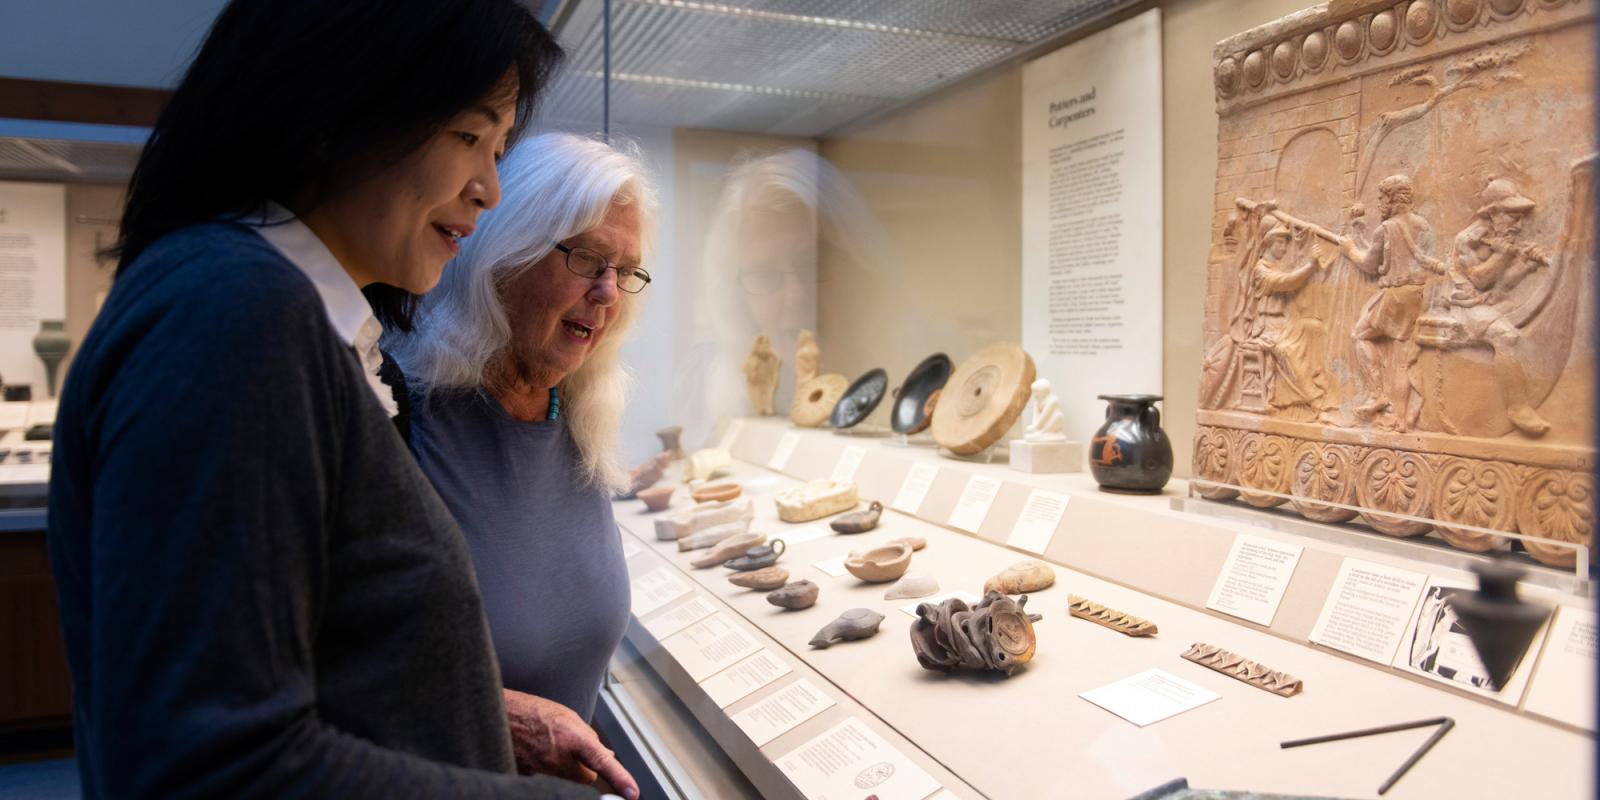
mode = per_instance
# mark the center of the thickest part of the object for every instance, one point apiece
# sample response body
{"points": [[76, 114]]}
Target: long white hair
{"points": [[553, 186]]}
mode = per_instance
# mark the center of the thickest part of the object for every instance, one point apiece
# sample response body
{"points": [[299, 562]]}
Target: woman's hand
{"points": [[549, 739]]}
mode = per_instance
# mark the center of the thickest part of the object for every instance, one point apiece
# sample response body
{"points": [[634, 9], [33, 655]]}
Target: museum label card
{"points": [[630, 548], [41, 412], [1037, 525], [13, 415], [1254, 578], [710, 646], [844, 470], [731, 435], [780, 713], [35, 473], [914, 489], [911, 607], [1436, 646], [780, 456], [806, 534], [738, 681], [1368, 609], [849, 761], [833, 567], [679, 617], [653, 590], [973, 507], [1150, 696], [1563, 686]]}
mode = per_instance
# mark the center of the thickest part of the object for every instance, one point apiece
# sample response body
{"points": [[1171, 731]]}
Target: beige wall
{"points": [[943, 178]]}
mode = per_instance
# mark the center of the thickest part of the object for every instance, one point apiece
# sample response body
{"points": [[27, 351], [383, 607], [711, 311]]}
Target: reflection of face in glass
{"points": [[776, 256]]}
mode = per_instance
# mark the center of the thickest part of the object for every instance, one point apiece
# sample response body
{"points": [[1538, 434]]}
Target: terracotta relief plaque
{"points": [[1397, 310]]}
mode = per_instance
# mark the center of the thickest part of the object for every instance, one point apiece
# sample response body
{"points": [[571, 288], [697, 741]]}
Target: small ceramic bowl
{"points": [[656, 498], [880, 564]]}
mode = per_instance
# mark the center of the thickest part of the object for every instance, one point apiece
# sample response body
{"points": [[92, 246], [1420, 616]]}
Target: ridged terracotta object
{"points": [[1243, 669], [1084, 608]]}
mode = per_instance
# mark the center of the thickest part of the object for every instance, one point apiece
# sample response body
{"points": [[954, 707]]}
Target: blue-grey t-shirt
{"points": [[543, 540]]}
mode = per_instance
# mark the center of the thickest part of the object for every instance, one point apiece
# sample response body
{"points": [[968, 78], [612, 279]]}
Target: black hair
{"points": [[303, 98]]}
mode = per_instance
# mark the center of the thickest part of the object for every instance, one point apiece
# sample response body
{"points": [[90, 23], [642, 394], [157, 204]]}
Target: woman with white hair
{"points": [[516, 392]]}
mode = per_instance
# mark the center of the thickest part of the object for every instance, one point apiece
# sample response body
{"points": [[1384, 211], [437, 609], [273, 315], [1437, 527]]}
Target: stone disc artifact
{"points": [[857, 623], [765, 579], [815, 399], [880, 564], [910, 412], [983, 399], [712, 492], [860, 400], [858, 521], [764, 555], [795, 596], [1021, 578]]}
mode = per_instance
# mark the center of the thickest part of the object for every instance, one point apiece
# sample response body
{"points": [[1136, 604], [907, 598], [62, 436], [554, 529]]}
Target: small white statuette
{"points": [[1047, 424]]}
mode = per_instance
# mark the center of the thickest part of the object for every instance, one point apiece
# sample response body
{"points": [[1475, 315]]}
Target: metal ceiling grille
{"points": [[796, 67], [53, 160]]}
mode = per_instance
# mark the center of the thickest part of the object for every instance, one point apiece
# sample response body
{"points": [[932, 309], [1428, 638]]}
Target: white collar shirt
{"points": [[347, 308]]}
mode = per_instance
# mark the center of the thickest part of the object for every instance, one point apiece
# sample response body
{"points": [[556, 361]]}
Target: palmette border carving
{"points": [[1373, 33], [1121, 622], [1243, 669], [1555, 505]]}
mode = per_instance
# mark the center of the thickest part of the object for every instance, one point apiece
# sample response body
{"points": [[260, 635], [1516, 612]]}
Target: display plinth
{"points": [[1046, 457]]}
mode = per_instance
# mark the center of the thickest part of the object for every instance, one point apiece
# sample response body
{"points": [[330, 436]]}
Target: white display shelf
{"points": [[1031, 734]]}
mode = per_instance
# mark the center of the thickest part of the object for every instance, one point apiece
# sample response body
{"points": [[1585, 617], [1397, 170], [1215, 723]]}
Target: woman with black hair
{"points": [[260, 592]]}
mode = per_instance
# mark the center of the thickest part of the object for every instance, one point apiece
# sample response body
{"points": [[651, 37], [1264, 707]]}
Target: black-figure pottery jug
{"points": [[1130, 452]]}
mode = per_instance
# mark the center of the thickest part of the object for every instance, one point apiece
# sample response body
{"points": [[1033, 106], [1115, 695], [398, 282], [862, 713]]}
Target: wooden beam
{"points": [[57, 101]]}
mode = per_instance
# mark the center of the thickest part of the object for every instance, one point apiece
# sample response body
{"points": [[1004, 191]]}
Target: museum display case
{"points": [[1305, 511], [1086, 399]]}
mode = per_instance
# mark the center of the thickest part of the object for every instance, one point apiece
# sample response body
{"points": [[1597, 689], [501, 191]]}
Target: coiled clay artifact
{"points": [[859, 521], [857, 623], [656, 498], [1021, 578], [714, 535], [731, 547], [911, 587], [879, 564], [996, 635], [815, 500], [757, 557], [714, 492], [765, 579], [795, 596]]}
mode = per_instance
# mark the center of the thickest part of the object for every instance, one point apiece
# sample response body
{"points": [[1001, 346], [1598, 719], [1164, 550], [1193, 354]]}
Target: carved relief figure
{"points": [[1399, 254], [761, 376], [1490, 263], [1290, 348]]}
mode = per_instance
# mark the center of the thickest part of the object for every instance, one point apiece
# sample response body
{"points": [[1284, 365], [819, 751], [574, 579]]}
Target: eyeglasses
{"points": [[587, 263]]}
